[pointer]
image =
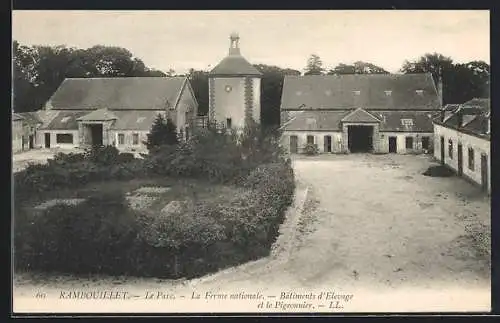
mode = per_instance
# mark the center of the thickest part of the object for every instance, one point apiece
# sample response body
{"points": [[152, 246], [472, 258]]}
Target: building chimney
{"points": [[234, 48]]}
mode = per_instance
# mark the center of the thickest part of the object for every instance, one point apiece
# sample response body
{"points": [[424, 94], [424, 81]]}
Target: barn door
{"points": [[393, 145]]}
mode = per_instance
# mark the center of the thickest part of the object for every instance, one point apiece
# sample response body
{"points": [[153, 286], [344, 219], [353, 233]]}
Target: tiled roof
{"points": [[315, 121], [411, 121], [65, 120], [98, 115], [31, 117], [483, 103], [234, 65], [135, 120], [16, 117], [130, 93], [368, 91], [361, 116], [474, 119]]}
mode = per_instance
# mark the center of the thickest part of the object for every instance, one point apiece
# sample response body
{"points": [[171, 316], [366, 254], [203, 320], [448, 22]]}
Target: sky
{"points": [[181, 40]]}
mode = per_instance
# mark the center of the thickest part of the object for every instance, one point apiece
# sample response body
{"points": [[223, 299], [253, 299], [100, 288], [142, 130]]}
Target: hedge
{"points": [[103, 235]]}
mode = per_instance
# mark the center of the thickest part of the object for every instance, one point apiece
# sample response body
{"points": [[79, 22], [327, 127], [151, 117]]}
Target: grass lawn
{"points": [[180, 190]]}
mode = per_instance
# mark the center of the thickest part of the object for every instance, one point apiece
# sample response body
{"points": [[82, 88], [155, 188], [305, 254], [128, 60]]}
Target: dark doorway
{"points": [[31, 142], [484, 172], [328, 144], [460, 160], [393, 144], [442, 150], [293, 144], [425, 143], [47, 140], [96, 132], [360, 138]]}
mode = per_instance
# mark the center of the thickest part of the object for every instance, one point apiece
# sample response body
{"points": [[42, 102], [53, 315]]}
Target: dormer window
{"points": [[141, 119], [65, 119], [356, 92], [407, 122], [388, 93], [419, 92]]}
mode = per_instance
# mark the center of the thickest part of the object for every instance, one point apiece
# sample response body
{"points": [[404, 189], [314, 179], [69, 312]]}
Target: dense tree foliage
{"points": [[358, 67], [461, 82], [271, 87], [163, 132], [39, 70], [314, 65]]}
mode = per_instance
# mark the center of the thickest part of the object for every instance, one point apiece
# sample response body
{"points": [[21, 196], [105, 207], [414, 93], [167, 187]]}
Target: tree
{"points": [[271, 88], [429, 63], [39, 70], [162, 133], [314, 66], [461, 82], [199, 83], [358, 67]]}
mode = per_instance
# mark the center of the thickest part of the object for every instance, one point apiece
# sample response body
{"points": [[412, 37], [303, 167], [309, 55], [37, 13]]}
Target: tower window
{"points": [[356, 92], [419, 92], [228, 123], [228, 88]]}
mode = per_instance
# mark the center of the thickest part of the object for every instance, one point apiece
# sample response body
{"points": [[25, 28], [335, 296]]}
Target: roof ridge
{"points": [[125, 77]]}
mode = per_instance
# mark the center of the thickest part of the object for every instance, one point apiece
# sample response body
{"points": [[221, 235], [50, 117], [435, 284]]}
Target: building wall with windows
{"points": [[479, 146], [65, 139], [130, 140], [401, 140], [320, 138], [337, 141]]}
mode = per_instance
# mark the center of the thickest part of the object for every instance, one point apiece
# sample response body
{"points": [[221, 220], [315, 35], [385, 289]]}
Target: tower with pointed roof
{"points": [[234, 89]]}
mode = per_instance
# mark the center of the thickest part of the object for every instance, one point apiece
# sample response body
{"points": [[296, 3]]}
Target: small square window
{"points": [[356, 92], [310, 139], [388, 93]]}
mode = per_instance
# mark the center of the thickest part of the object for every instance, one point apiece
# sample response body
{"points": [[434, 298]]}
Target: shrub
{"points": [[102, 155], [125, 158], [162, 133], [62, 158], [311, 149], [91, 237]]}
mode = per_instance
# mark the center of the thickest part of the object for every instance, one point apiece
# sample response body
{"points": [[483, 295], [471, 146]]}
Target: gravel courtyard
{"points": [[372, 225]]}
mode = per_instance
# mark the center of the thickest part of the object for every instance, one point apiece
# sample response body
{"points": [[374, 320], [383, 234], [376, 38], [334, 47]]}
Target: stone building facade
{"points": [[380, 113], [234, 90], [116, 111]]}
